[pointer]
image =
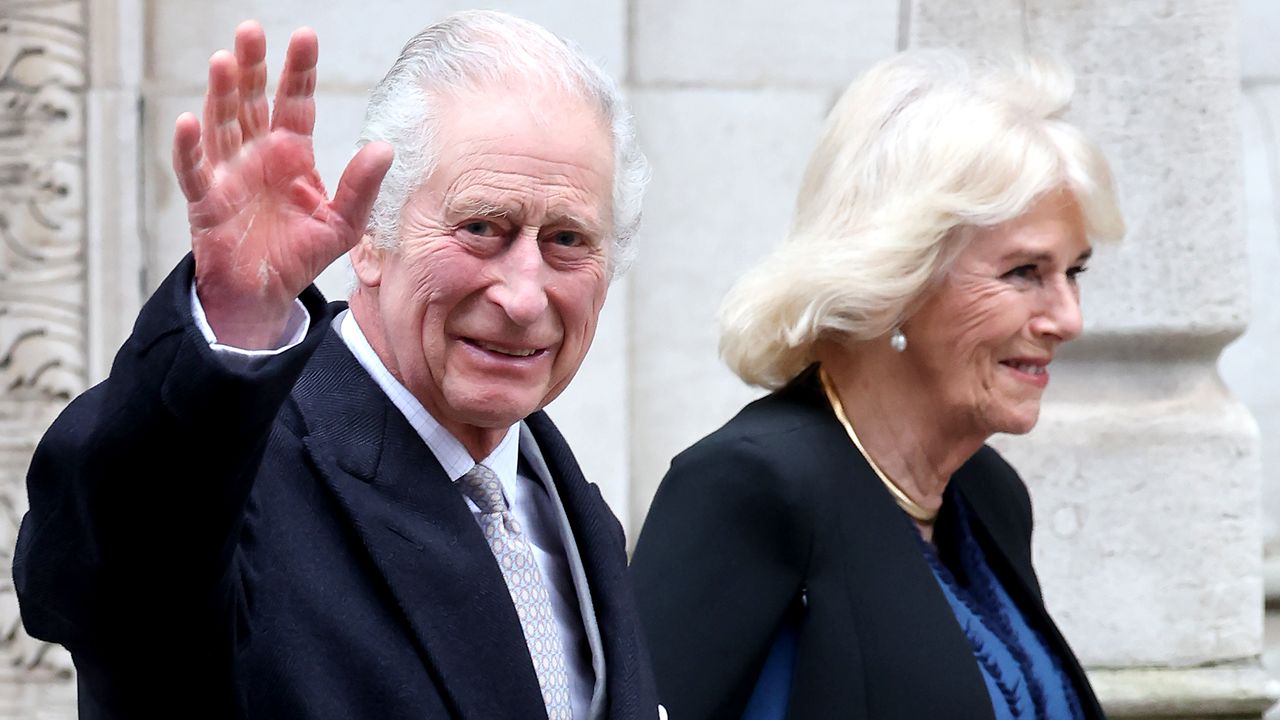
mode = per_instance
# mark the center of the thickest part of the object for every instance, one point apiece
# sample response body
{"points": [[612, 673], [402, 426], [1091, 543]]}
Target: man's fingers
{"points": [[359, 185], [222, 109], [319, 249], [193, 173], [295, 107], [304, 197], [251, 56]]}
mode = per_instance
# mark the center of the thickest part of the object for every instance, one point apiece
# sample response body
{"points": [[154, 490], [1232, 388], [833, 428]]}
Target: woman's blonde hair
{"points": [[926, 145]]}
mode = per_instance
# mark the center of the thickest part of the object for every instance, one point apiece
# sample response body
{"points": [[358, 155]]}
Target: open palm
{"points": [[262, 227]]}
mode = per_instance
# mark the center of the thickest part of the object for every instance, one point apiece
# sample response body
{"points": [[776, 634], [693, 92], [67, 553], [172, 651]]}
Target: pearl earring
{"points": [[897, 340]]}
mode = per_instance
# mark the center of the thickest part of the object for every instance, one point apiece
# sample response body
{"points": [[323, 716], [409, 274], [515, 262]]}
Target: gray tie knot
{"points": [[482, 486]]}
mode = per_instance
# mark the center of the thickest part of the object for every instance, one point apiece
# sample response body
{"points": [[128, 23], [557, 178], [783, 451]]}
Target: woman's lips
{"points": [[1031, 371]]}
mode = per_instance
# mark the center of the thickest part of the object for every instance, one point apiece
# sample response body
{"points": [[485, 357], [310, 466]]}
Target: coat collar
{"points": [[419, 536]]}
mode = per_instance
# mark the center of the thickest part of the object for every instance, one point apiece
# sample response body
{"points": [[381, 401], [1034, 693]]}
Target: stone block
{"points": [[726, 167], [721, 43], [1236, 691], [38, 701], [357, 43], [116, 42], [985, 24]]}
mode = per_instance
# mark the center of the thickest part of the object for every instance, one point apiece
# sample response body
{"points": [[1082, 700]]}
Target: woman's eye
{"points": [[1074, 273], [1023, 272]]}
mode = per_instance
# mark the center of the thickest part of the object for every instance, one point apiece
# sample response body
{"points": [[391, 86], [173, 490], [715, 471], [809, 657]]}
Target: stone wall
{"points": [[1145, 471]]}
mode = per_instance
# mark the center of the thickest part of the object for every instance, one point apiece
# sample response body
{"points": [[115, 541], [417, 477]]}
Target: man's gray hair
{"points": [[472, 51]]}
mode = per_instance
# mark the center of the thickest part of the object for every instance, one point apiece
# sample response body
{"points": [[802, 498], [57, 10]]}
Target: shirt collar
{"points": [[453, 457]]}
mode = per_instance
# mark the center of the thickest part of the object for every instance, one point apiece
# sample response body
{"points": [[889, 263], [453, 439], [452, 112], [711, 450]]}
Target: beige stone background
{"points": [[1155, 471]]}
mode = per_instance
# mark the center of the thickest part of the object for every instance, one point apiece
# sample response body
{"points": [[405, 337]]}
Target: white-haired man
{"points": [[278, 508]]}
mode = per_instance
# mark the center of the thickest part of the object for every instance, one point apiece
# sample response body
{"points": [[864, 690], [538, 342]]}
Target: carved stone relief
{"points": [[42, 267]]}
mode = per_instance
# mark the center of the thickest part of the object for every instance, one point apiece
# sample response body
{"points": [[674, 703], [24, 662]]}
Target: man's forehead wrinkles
{"points": [[560, 174], [488, 186], [485, 159]]}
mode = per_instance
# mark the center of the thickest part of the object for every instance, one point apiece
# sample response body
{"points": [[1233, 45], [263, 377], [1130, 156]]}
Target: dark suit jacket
{"points": [[776, 513], [281, 544]]}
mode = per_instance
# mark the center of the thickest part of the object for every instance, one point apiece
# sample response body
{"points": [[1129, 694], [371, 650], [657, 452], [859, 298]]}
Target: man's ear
{"points": [[366, 261]]}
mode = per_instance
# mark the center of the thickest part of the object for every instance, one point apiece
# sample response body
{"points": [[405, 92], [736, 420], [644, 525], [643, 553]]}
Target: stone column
{"points": [[114, 239], [43, 349], [1144, 470], [1248, 365]]}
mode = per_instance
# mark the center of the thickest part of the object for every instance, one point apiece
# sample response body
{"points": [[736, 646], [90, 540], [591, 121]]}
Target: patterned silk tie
{"points": [[524, 581]]}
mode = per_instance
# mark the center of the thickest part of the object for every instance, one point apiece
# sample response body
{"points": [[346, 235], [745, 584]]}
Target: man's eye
{"points": [[567, 239], [481, 228]]}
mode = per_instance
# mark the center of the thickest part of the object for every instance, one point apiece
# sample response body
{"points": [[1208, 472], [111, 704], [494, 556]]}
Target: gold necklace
{"points": [[909, 506]]}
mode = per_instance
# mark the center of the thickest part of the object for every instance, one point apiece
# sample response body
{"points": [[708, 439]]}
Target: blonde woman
{"points": [[848, 546]]}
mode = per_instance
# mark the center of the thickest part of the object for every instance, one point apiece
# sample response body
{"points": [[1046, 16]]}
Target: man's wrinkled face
{"points": [[983, 339], [490, 302]]}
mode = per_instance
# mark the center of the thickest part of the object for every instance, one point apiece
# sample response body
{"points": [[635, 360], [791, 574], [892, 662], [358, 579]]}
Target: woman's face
{"points": [[982, 340]]}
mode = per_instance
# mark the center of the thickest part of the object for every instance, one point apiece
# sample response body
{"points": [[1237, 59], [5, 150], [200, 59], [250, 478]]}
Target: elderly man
{"points": [[277, 508]]}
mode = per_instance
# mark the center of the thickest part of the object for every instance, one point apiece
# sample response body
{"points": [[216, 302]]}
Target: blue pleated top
{"points": [[1023, 676]]}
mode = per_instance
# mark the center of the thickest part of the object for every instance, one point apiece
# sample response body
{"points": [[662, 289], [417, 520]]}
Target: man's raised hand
{"points": [[262, 227]]}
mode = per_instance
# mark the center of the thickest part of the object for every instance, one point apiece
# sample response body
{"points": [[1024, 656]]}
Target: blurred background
{"points": [[1155, 470]]}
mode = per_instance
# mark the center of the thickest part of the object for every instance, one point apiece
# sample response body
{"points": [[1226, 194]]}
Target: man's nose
{"points": [[521, 289], [1060, 316]]}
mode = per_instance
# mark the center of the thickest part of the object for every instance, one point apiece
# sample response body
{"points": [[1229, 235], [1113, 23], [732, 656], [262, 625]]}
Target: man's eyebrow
{"points": [[463, 207], [584, 222]]}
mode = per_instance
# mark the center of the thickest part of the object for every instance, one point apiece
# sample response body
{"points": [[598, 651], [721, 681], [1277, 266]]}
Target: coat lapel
{"points": [[629, 681], [905, 627], [420, 538], [913, 621]]}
